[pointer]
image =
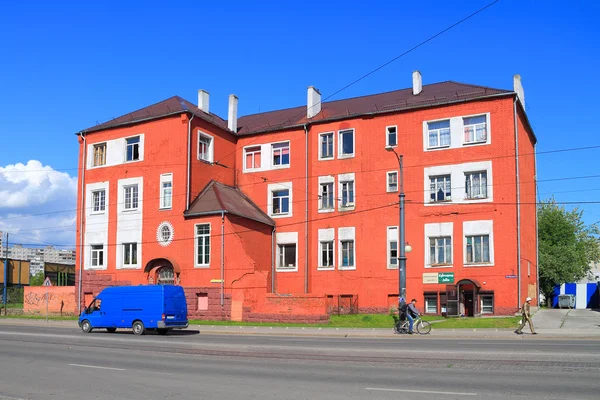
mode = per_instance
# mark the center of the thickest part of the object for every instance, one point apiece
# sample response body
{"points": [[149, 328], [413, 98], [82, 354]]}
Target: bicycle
{"points": [[402, 327]]}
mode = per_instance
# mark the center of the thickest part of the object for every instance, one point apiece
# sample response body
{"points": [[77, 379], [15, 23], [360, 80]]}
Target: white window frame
{"points": [[210, 150], [101, 193], [204, 236], [280, 150], [465, 126], [284, 239], [438, 230], [274, 187], [457, 135], [139, 149], [97, 252], [447, 179], [389, 188], [473, 252], [437, 246], [392, 236], [346, 235], [439, 134], [262, 161], [487, 295], [341, 153], [478, 228], [132, 246], [327, 197], [332, 157], [458, 190], [166, 179], [471, 174], [134, 195], [388, 131], [282, 250], [428, 299], [345, 179], [102, 161], [326, 236]]}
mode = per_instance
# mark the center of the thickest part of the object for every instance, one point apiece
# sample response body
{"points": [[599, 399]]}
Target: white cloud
{"points": [[37, 204]]}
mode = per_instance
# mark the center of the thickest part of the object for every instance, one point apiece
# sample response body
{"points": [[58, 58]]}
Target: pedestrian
{"points": [[526, 318]]}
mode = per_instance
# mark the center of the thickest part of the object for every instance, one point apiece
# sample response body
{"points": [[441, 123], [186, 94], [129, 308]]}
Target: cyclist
{"points": [[412, 313]]}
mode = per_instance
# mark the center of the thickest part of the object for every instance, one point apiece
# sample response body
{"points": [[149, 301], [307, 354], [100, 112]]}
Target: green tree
{"points": [[567, 246], [37, 279]]}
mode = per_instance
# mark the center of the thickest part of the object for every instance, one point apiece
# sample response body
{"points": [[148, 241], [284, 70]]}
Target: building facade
{"points": [[294, 213], [37, 256]]}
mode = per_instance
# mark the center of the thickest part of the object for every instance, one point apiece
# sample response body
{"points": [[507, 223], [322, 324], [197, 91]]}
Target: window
{"points": [[164, 234], [99, 200], [391, 137], [133, 149], [327, 196], [430, 304], [487, 304], [392, 181], [130, 254], [281, 154], [392, 237], [475, 129], [439, 133], [440, 250], [347, 194], [281, 202], [99, 154], [166, 191], [476, 185], [205, 147], [97, 255], [326, 145], [441, 188], [286, 256], [131, 197], [346, 140], [326, 254], [478, 249], [347, 253], [165, 276], [203, 244], [252, 158]]}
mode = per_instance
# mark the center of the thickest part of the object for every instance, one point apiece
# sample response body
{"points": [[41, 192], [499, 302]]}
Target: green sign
{"points": [[446, 277]]}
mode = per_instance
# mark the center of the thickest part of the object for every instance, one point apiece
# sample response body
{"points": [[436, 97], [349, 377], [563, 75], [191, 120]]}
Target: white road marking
{"points": [[96, 366], [421, 391]]}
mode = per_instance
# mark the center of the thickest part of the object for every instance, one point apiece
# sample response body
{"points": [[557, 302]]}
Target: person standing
{"points": [[526, 318]]}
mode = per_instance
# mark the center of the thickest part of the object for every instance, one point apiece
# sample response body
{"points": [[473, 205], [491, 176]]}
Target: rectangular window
{"points": [[202, 301], [131, 197], [133, 148], [346, 142], [391, 138], [252, 156], [99, 200], [392, 247], [392, 181], [281, 201], [287, 256], [327, 196], [326, 145], [97, 255], [347, 253], [440, 250], [476, 185], [326, 254], [166, 191], [130, 254], [475, 129], [431, 304], [99, 154], [203, 244], [441, 188], [478, 249], [487, 304], [347, 194], [204, 147], [281, 154], [439, 134]]}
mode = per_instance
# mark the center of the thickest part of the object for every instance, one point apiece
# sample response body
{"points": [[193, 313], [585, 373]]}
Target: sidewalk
{"points": [[548, 333]]}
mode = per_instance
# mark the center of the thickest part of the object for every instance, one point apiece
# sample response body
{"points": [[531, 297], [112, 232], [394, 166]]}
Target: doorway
{"points": [[469, 308]]}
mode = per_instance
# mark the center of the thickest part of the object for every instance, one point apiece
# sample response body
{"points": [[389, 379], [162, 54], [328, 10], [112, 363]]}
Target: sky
{"points": [[66, 66]]}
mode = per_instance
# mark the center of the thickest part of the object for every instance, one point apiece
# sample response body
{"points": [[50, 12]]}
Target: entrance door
{"points": [[469, 308]]}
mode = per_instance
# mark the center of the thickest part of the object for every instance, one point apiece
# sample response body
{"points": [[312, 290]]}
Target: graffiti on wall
{"points": [[61, 299]]}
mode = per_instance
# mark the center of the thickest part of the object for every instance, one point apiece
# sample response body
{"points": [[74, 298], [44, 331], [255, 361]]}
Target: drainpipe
{"points": [[222, 256], [537, 243], [518, 180], [273, 261], [81, 224], [306, 129], [189, 151]]}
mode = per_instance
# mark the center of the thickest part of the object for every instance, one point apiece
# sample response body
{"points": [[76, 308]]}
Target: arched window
{"points": [[165, 276]]}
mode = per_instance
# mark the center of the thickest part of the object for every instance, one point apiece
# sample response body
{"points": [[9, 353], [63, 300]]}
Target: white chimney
{"points": [[203, 100], [518, 88], [417, 83], [232, 114], [313, 104]]}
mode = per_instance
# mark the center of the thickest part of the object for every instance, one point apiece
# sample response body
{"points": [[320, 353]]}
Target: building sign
{"points": [[510, 276], [438, 277]]}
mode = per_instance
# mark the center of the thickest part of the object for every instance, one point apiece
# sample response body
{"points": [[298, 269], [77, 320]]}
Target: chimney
{"points": [[203, 100], [313, 104], [232, 114], [518, 88], [417, 83]]}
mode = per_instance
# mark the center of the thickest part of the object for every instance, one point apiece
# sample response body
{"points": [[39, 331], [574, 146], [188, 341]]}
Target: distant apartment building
{"points": [[295, 211], [38, 256]]}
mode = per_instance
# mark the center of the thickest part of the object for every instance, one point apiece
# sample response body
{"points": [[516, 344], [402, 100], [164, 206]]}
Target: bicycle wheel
{"points": [[423, 327], [397, 328]]}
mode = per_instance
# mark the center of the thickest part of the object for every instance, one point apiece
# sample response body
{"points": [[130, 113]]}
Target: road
{"points": [[64, 363]]}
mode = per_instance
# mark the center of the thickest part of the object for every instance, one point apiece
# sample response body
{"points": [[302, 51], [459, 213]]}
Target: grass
{"points": [[50, 317], [12, 305], [477, 323]]}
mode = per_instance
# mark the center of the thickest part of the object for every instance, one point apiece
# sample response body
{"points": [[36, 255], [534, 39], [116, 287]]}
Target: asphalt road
{"points": [[64, 363]]}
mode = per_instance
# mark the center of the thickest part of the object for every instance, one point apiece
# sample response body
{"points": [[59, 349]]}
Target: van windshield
{"points": [[94, 305]]}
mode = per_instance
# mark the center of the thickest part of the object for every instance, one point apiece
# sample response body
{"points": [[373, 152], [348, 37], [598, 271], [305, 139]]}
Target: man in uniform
{"points": [[526, 317]]}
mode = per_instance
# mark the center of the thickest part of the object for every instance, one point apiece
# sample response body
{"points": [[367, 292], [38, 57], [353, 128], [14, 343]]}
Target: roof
{"points": [[172, 106], [217, 197]]}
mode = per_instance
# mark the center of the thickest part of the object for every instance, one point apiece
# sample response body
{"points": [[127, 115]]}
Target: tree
{"points": [[37, 279], [567, 246]]}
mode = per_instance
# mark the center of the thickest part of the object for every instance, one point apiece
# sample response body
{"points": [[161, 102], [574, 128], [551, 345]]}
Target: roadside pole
{"points": [[47, 283]]}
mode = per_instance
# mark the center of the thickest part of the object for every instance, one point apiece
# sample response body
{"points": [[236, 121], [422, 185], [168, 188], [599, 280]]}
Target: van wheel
{"points": [[111, 330], [138, 328], [86, 326], [162, 331]]}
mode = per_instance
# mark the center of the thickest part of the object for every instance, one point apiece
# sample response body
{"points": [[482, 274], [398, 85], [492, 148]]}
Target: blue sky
{"points": [[65, 67]]}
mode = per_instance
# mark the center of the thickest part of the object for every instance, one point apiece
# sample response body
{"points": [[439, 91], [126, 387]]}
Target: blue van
{"points": [[160, 307]]}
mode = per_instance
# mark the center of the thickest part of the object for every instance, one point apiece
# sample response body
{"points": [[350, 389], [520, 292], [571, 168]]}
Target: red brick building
{"points": [[292, 214]]}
